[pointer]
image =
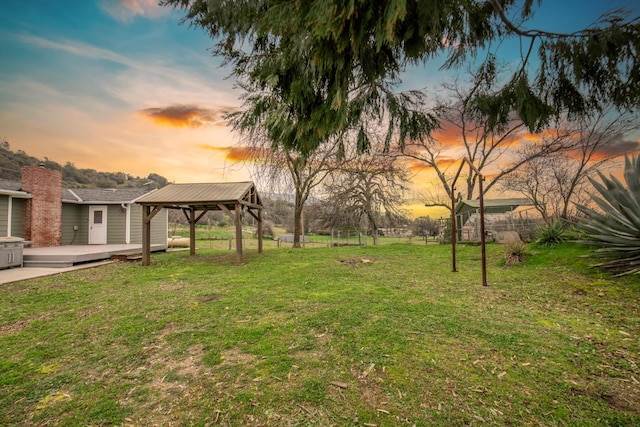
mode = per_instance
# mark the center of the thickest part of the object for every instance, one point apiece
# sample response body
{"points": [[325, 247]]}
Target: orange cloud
{"points": [[235, 153], [445, 162], [418, 166], [447, 135], [185, 116]]}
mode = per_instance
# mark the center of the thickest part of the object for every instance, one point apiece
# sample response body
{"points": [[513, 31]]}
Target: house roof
{"points": [[13, 188], [203, 195], [492, 205], [102, 195]]}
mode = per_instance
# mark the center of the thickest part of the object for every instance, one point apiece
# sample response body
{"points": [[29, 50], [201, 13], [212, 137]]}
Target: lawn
{"points": [[348, 336]]}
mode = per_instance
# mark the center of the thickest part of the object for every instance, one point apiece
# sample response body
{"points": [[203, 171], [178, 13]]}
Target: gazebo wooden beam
{"points": [[226, 210], [259, 231], [192, 231], [147, 215]]}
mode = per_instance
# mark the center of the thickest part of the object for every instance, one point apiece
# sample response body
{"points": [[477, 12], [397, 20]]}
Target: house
{"points": [[45, 214]]}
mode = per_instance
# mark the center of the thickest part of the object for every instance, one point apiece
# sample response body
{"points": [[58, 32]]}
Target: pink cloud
{"points": [[127, 10]]}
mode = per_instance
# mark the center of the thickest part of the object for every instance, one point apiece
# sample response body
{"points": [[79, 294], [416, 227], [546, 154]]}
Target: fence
{"points": [[495, 223]]}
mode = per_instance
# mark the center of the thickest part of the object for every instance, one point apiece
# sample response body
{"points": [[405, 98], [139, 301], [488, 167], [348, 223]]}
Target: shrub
{"points": [[515, 253], [551, 234], [616, 229]]}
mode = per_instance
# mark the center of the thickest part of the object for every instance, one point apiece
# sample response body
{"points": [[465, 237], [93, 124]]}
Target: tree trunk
{"points": [[374, 227], [374, 234], [297, 221]]}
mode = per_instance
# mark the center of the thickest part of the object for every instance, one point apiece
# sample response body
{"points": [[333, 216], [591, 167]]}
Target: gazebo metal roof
{"points": [[492, 205], [203, 194]]}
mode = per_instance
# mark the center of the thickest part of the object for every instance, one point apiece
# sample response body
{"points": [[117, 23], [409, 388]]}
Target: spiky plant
{"points": [[551, 234], [616, 229], [514, 253]]}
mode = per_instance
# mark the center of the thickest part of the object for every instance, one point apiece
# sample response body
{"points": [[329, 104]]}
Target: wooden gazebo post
{"points": [[192, 231], [146, 235], [147, 215], [238, 221], [259, 231]]}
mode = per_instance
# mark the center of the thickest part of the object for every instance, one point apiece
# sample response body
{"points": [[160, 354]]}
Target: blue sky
{"points": [[119, 85], [77, 77]]}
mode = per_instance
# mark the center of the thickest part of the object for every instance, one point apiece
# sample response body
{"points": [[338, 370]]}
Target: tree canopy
{"points": [[318, 68]]}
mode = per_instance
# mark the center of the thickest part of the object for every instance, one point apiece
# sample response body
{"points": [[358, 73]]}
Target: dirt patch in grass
{"points": [[89, 311], [208, 298], [57, 285], [16, 327], [13, 328], [623, 395], [236, 357], [188, 366], [355, 261], [172, 378], [174, 385], [369, 382], [619, 393], [173, 286]]}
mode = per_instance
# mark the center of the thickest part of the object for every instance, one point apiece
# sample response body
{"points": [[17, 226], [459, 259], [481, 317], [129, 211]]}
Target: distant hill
{"points": [[72, 177]]}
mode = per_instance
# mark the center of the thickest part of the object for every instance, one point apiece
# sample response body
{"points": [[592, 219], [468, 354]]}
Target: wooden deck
{"points": [[67, 256]]}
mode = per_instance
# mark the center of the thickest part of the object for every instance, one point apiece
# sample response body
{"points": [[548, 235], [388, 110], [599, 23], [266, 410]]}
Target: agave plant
{"points": [[551, 234], [616, 229]]}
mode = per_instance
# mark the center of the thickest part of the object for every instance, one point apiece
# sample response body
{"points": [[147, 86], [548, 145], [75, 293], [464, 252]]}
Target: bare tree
{"points": [[556, 181], [285, 171], [369, 187], [464, 133]]}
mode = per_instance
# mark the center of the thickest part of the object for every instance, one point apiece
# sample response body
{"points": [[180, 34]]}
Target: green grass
{"points": [[368, 335]]}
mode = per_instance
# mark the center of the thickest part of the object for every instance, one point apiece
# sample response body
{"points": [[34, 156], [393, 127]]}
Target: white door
{"points": [[97, 225]]}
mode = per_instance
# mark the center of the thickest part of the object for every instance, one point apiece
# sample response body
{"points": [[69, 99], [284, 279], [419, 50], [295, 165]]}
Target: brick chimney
{"points": [[42, 214]]}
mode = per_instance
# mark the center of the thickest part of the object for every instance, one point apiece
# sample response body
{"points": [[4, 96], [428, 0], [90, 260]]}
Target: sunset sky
{"points": [[121, 86]]}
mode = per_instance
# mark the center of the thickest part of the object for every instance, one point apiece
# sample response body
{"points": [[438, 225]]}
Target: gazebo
{"points": [[195, 200]]}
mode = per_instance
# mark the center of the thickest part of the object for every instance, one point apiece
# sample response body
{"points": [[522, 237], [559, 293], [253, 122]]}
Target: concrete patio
{"points": [[40, 262], [17, 274]]}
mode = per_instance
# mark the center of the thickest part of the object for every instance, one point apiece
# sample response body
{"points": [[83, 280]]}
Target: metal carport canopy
{"points": [[195, 200]]}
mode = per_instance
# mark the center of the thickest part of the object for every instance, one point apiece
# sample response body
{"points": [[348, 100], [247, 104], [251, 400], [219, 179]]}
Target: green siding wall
{"points": [[116, 224], [16, 217], [75, 216], [136, 224], [159, 226], [4, 205]]}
